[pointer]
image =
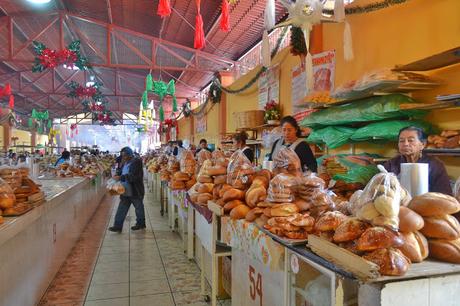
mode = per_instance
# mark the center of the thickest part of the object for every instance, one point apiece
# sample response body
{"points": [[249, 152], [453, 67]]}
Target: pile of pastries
{"points": [[448, 139]]}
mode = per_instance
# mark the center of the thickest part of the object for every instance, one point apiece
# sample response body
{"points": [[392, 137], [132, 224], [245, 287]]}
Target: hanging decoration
{"points": [[225, 18], [104, 117], [73, 129], [298, 46], [304, 14], [40, 121], [215, 93], [6, 92], [373, 7], [186, 108], [161, 89], [199, 42], [79, 91], [47, 58], [164, 8], [52, 134]]}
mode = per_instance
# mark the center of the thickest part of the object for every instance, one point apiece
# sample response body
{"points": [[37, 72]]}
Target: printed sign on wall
{"points": [[269, 86]]}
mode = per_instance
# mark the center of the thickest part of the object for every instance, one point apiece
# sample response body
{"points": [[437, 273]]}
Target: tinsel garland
{"points": [[298, 45], [372, 7]]}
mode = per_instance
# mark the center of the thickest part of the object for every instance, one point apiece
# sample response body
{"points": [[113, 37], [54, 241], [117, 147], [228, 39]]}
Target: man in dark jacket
{"points": [[132, 178]]}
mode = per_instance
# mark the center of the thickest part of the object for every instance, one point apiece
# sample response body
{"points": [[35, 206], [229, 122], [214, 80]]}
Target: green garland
{"points": [[369, 8], [298, 45]]}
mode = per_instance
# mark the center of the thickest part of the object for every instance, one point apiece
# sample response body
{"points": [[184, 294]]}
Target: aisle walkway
{"points": [[133, 268]]}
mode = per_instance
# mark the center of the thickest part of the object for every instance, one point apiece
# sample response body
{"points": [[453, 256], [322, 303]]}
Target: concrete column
{"points": [[7, 134], [227, 78], [33, 138]]}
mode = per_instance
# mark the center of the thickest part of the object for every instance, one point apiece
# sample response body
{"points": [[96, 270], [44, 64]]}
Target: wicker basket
{"points": [[249, 119]]}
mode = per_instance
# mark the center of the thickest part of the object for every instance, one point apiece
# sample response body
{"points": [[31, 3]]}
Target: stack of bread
{"points": [[415, 245], [240, 171], [201, 157], [311, 195], [7, 198], [27, 191], [448, 139], [286, 161], [203, 174], [440, 227], [201, 193], [12, 176], [180, 181], [187, 163]]}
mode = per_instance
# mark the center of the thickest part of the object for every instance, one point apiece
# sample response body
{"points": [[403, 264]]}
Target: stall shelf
{"points": [[34, 245], [207, 231]]}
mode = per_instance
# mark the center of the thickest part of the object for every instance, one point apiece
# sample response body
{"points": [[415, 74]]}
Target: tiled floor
{"points": [[132, 268]]}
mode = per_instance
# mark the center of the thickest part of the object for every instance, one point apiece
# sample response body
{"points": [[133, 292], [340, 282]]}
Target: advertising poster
{"points": [[201, 124], [269, 86]]}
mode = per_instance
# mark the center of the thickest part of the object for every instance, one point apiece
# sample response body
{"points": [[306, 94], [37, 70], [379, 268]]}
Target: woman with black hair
{"points": [[291, 139], [411, 142], [239, 141], [65, 157]]}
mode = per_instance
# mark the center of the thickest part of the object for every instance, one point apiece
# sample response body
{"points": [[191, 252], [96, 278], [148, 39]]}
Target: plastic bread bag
{"points": [[269, 137], [457, 189], [239, 171], [309, 182], [203, 155], [7, 197], [287, 161], [217, 154], [173, 164], [322, 201], [282, 188], [187, 162], [380, 200], [204, 168]]}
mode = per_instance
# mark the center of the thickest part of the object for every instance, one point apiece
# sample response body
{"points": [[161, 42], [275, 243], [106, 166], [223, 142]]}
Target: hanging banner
{"points": [[201, 124], [269, 86], [324, 76]]}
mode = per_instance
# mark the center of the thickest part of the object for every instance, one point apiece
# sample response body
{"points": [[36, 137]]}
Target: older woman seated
{"points": [[412, 141]]}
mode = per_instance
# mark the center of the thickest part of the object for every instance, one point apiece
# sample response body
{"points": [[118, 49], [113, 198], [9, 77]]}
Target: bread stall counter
{"points": [[34, 245]]}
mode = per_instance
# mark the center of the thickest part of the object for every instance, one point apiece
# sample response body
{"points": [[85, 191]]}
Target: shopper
{"points": [[203, 146], [132, 178], [412, 141], [239, 141], [291, 139], [65, 157], [178, 149]]}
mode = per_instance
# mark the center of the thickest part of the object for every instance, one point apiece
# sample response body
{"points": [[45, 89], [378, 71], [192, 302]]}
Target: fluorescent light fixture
{"points": [[90, 83], [39, 1], [70, 67]]}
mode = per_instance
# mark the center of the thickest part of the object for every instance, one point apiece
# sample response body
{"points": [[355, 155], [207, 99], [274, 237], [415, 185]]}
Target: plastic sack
{"points": [[11, 176], [187, 162], [309, 183], [269, 137], [203, 155], [239, 171], [217, 154], [332, 136], [370, 109], [7, 197], [204, 168], [388, 130], [380, 201], [115, 187], [457, 189], [282, 188], [358, 168], [287, 161], [173, 164]]}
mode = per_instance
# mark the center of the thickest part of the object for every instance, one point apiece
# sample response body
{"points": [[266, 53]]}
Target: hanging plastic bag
{"points": [[115, 187], [287, 161], [380, 201], [240, 171], [187, 162]]}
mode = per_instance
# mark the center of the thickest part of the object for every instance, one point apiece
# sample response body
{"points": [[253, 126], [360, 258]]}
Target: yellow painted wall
{"points": [[24, 137], [42, 139], [400, 35]]}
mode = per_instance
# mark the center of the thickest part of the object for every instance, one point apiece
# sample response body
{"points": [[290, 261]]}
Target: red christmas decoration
{"points": [[225, 19], [11, 102], [6, 91], [199, 41], [164, 8]]}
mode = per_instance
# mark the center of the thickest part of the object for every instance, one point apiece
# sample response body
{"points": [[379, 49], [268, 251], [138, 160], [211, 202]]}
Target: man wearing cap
{"points": [[132, 178]]}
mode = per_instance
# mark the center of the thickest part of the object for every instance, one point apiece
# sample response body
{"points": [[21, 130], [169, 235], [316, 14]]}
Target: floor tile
{"points": [[157, 299], [112, 277], [109, 302], [108, 291], [154, 286], [147, 274]]}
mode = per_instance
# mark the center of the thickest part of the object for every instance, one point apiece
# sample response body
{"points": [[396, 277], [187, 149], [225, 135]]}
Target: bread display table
{"points": [[34, 245], [182, 217], [163, 197]]}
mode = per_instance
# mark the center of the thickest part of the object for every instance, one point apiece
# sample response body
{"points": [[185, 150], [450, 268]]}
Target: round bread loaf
{"points": [[350, 229], [284, 210], [391, 261], [239, 212], [434, 204], [378, 238], [409, 220], [232, 204], [329, 221], [441, 227], [445, 250]]}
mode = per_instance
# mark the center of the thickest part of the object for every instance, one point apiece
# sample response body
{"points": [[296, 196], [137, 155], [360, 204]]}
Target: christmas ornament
{"points": [[47, 58], [225, 18], [164, 8], [199, 42]]}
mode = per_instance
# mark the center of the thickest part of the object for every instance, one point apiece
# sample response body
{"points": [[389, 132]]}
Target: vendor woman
{"points": [[412, 141], [239, 141], [291, 139]]}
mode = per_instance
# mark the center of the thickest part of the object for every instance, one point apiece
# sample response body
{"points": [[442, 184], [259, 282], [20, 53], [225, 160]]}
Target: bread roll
{"points": [[434, 204], [391, 261], [329, 221], [233, 194], [445, 250], [189, 184], [260, 181], [220, 179], [409, 220], [177, 185], [368, 212], [350, 230], [351, 246], [261, 220], [203, 198], [266, 173], [302, 220], [205, 188], [254, 214], [224, 188], [415, 246], [441, 227], [284, 210], [302, 204], [232, 204], [181, 176], [255, 195], [217, 170], [377, 238], [194, 197], [383, 221], [204, 179], [239, 212], [7, 201]]}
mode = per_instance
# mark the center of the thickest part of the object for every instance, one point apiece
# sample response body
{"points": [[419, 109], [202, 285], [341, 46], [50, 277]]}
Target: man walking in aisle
{"points": [[132, 178]]}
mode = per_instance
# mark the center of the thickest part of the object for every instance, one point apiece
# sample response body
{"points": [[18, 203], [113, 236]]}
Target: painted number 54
{"points": [[255, 284]]}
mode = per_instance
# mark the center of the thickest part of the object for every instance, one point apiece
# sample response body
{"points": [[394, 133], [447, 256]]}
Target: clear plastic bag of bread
{"points": [[187, 162], [115, 187], [457, 189], [287, 161], [380, 201], [217, 154], [173, 164], [282, 188], [309, 182], [203, 155], [7, 197], [239, 171]]}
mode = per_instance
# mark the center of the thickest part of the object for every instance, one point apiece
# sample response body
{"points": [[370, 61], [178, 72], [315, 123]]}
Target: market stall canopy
{"points": [[122, 40]]}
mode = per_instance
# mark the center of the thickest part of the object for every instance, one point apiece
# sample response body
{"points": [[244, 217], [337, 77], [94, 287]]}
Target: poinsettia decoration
{"points": [[272, 111], [80, 91], [104, 117], [167, 125], [48, 58]]}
